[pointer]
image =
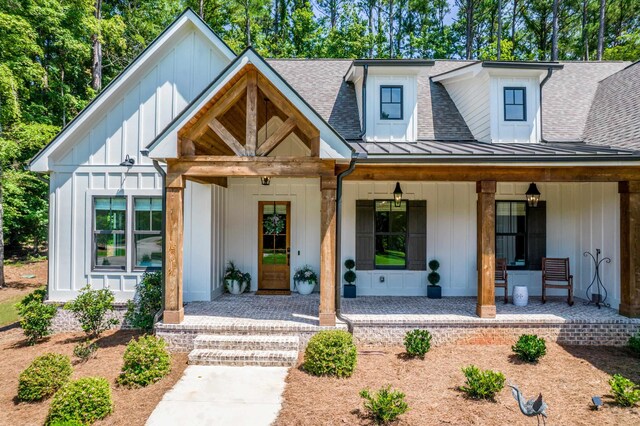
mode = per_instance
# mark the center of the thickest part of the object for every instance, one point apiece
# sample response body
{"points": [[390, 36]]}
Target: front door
{"points": [[274, 224]]}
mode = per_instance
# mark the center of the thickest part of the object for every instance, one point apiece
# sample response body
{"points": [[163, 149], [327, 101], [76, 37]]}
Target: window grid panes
{"points": [[274, 234], [390, 235], [391, 102], [511, 232], [515, 104], [147, 232], [110, 240]]}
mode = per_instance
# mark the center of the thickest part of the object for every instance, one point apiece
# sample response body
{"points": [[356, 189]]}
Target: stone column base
{"points": [[328, 320], [486, 311], [173, 317]]}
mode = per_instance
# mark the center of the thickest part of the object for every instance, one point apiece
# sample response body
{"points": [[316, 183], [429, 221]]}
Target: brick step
{"points": [[263, 342], [269, 358]]}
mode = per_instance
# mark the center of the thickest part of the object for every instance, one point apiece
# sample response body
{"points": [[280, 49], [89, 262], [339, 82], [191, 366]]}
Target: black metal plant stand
{"points": [[596, 297]]}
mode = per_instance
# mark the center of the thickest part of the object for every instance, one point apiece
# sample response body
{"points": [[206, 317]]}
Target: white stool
{"points": [[520, 295]]}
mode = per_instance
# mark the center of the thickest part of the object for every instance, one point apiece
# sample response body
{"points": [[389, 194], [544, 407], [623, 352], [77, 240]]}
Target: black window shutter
{"points": [[417, 235], [365, 235], [536, 235]]}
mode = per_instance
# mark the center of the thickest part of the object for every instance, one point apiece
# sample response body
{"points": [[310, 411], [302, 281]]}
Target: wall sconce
{"points": [[533, 195], [397, 195], [265, 180], [128, 161]]}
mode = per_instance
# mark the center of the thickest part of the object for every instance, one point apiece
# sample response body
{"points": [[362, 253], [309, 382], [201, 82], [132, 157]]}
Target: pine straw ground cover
{"points": [[567, 377], [131, 406]]}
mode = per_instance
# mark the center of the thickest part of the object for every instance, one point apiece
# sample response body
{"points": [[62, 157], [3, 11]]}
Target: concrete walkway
{"points": [[220, 395]]}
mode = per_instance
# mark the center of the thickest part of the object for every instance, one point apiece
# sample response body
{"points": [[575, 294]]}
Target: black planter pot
{"points": [[596, 298], [349, 291], [434, 292]]}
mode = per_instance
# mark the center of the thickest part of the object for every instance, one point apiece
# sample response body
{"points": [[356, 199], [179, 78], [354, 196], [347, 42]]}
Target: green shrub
{"points": [[634, 343], [482, 384], [147, 302], [417, 342], [85, 350], [35, 319], [145, 362], [81, 401], [386, 405], [43, 377], [39, 295], [625, 392], [331, 353], [530, 348], [66, 423], [91, 308]]}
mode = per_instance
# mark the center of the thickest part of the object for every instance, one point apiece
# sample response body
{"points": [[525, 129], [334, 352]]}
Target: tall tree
{"points": [[601, 29], [499, 37], [584, 34], [554, 37], [96, 66]]}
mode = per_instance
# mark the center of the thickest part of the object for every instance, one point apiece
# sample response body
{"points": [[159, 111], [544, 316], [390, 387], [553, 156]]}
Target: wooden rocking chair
{"points": [[501, 280], [554, 272]]}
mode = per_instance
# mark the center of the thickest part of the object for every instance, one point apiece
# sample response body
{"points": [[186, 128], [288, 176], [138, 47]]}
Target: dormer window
{"points": [[391, 103], [515, 104]]}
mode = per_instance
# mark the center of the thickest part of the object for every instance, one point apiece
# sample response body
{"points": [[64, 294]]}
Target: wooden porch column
{"points": [[328, 187], [486, 219], [629, 248], [173, 310]]}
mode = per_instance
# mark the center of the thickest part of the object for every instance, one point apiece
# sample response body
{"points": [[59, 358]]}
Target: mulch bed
{"points": [[131, 406], [567, 377], [16, 281]]}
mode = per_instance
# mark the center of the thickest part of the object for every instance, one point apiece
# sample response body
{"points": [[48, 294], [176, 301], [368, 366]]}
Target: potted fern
{"points": [[235, 281], [434, 291], [350, 278], [305, 279]]}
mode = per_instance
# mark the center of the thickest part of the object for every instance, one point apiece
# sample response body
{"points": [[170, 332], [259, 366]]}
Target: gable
{"points": [[142, 100]]}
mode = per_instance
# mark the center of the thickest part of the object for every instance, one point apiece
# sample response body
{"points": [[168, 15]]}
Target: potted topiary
{"points": [[235, 281], [350, 278], [434, 291], [305, 280]]}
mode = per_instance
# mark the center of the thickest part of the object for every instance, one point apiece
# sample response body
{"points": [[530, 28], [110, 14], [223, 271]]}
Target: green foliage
{"points": [[35, 316], [82, 401], [625, 392], [627, 47], [147, 302], [91, 308], [66, 423], [305, 274], [145, 362], [482, 384], [530, 348], [331, 353], [433, 277], [349, 264], [385, 405], [43, 377], [434, 264], [85, 350], [350, 275], [417, 342], [634, 343]]}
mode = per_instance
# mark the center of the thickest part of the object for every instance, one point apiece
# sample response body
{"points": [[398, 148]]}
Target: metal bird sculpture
{"points": [[532, 407]]}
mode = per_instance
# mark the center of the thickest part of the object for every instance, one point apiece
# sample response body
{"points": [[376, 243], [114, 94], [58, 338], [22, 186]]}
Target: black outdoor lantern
{"points": [[397, 195], [533, 195], [265, 180]]}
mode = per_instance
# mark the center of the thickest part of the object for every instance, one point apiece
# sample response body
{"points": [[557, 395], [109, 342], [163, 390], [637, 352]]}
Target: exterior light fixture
{"points": [[265, 180], [533, 195], [397, 195], [128, 161]]}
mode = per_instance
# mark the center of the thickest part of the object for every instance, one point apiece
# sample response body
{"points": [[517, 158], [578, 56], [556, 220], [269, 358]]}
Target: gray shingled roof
{"points": [[614, 118], [567, 98]]}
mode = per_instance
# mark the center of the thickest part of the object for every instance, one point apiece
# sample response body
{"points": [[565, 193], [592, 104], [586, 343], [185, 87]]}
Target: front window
{"points": [[390, 235], [147, 232], [515, 108], [511, 232], [109, 233], [391, 102]]}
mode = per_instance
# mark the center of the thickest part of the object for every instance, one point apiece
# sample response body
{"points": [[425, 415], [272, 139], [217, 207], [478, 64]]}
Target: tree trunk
{"points": [[371, 5], [201, 9], [554, 35], [247, 18], [601, 32], [96, 69], [469, 31], [513, 24], [1, 234], [585, 36], [499, 37], [391, 28]]}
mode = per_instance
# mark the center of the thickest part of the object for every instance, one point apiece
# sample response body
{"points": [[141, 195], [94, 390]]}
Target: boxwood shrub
{"points": [[385, 405], [417, 342], [482, 384], [530, 348], [35, 315], [624, 391], [45, 375], [331, 353], [145, 362], [81, 401]]}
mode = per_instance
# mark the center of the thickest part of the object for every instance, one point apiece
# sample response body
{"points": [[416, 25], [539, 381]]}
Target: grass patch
{"points": [[8, 311]]}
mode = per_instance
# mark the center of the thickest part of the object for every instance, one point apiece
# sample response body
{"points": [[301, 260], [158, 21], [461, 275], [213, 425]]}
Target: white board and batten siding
{"points": [[87, 165], [580, 217], [527, 131], [379, 130]]}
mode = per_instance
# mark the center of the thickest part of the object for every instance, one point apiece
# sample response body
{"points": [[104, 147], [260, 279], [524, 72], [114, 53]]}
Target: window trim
{"points": [[376, 233], [134, 253], [392, 86], [94, 232], [524, 103], [524, 267]]}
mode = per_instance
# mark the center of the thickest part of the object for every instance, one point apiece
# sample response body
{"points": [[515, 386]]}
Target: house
{"points": [[219, 143]]}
